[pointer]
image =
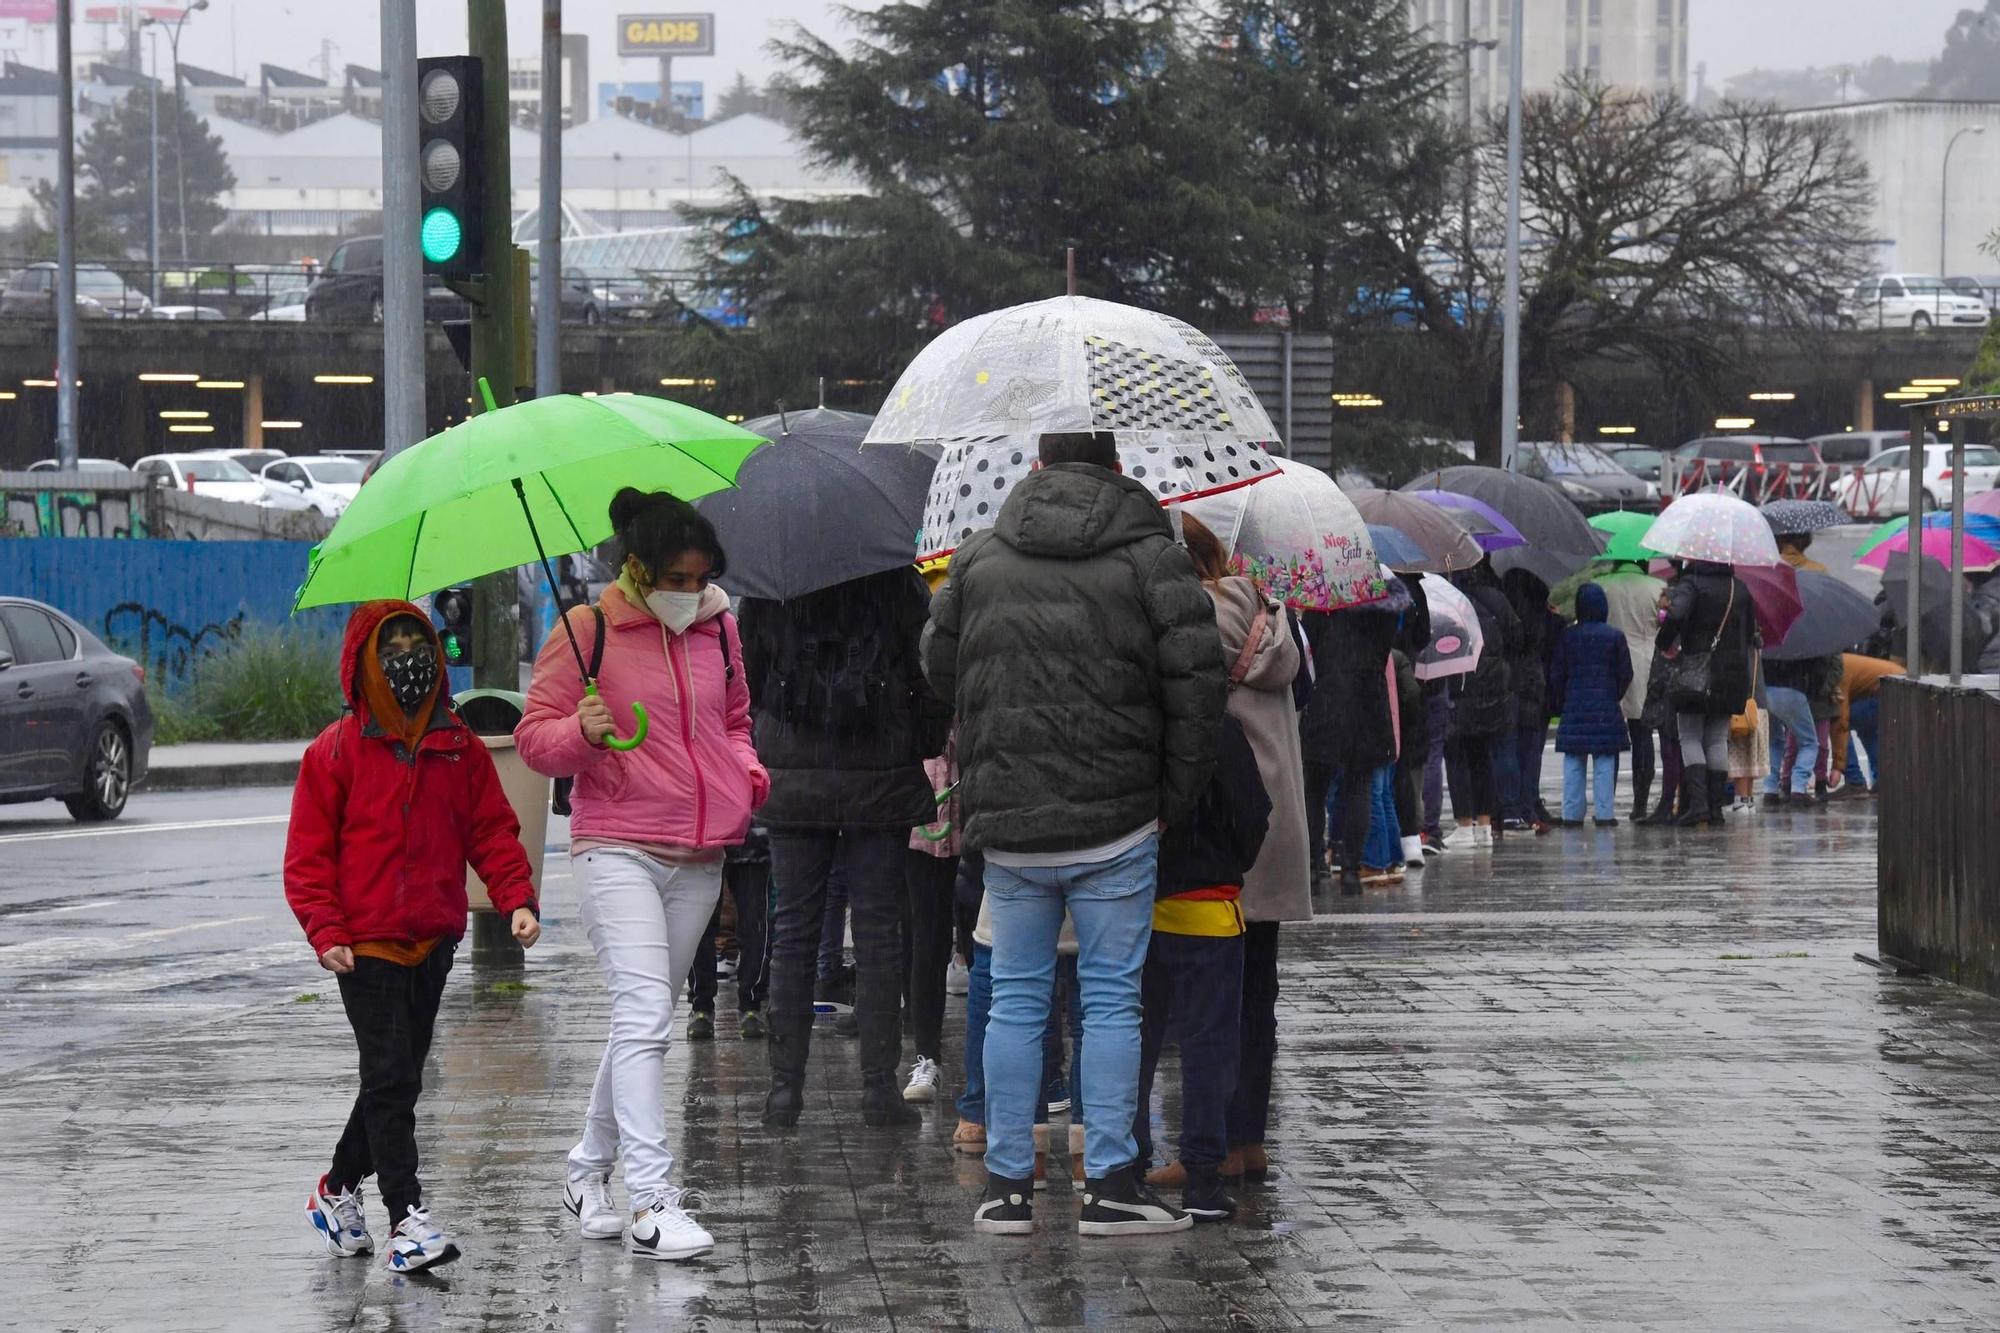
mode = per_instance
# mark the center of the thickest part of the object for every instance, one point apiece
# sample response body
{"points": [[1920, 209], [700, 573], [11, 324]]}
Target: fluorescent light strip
{"points": [[183, 415], [280, 425], [218, 384], [343, 379], [165, 377], [192, 430]]}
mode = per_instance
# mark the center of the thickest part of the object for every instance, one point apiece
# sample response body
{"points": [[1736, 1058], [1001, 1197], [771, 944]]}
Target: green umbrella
{"points": [[1882, 534], [453, 507], [1628, 536]]}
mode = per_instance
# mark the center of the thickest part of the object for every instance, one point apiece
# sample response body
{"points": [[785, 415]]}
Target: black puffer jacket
{"points": [[1081, 653], [1347, 724], [1485, 705], [1529, 665], [1697, 604], [872, 778], [1216, 845]]}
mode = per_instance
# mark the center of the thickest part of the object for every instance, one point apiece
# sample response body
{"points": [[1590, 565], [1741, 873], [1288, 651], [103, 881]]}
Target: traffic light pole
{"points": [[402, 263]]}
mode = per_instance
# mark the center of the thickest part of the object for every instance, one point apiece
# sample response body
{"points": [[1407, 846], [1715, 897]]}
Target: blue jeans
{"points": [[1791, 713], [1385, 834], [1577, 768], [1111, 903], [1862, 717], [978, 1008]]}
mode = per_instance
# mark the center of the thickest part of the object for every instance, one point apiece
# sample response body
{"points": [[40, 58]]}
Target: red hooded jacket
{"points": [[380, 837]]}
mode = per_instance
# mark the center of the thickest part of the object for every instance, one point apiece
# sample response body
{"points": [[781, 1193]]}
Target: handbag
{"points": [[1691, 676], [1744, 724]]}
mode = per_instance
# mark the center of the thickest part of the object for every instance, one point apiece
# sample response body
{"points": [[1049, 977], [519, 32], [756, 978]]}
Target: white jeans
{"points": [[645, 919]]}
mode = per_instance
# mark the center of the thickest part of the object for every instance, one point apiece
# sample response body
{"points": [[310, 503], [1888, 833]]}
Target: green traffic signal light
{"points": [[442, 235], [454, 651]]}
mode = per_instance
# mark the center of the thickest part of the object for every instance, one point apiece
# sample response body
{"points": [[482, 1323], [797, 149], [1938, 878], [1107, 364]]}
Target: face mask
{"points": [[411, 675], [675, 610]]}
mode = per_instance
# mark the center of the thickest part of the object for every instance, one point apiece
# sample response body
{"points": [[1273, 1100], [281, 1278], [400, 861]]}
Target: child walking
{"points": [[392, 802], [1592, 669]]}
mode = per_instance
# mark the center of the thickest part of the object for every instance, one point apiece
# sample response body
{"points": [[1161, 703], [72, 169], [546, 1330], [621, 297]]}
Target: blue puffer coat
{"points": [[1592, 669]]}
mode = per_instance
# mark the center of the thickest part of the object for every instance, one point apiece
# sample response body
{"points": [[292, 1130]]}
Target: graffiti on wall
{"points": [[160, 643], [72, 514]]}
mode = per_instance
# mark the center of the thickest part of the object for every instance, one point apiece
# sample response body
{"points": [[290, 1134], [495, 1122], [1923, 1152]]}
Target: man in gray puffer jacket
{"points": [[1081, 654]]}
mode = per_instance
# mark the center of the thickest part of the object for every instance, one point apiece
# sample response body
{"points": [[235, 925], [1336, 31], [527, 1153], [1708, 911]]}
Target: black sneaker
{"points": [[1122, 1204], [1008, 1208], [701, 1026], [834, 993], [1204, 1197], [751, 1027]]}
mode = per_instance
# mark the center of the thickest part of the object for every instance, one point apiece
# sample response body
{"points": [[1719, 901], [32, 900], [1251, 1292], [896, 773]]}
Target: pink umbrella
{"points": [[1774, 592], [1937, 545], [1986, 502]]}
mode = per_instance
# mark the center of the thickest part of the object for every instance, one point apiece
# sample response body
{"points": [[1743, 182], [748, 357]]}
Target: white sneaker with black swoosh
{"points": [[662, 1228], [588, 1199]]}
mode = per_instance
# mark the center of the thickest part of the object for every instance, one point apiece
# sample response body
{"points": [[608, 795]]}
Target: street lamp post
{"points": [[153, 176], [1944, 193], [180, 167]]}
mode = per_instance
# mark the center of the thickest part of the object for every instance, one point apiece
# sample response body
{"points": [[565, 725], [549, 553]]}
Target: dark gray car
{"points": [[1593, 482], [74, 722]]}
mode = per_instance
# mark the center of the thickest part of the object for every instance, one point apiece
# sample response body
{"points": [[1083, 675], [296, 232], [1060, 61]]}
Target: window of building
{"points": [[1663, 63]]}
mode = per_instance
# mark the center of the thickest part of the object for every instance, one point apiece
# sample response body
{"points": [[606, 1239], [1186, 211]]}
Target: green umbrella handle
{"points": [[942, 831], [638, 737]]}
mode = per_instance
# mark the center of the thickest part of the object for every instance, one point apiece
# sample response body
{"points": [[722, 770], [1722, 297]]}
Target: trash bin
{"points": [[493, 715]]}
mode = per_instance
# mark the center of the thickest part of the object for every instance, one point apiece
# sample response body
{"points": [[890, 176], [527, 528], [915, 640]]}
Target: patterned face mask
{"points": [[411, 675]]}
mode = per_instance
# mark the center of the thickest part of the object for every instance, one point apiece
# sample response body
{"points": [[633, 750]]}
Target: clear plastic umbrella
{"points": [[1456, 641], [1720, 529], [1298, 537]]}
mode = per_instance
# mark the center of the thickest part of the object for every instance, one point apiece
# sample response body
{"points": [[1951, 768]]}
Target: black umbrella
{"points": [[1935, 584], [818, 509], [1836, 617], [1559, 541]]}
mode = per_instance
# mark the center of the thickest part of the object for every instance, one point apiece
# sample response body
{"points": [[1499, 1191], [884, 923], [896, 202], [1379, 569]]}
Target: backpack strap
{"points": [[722, 638]]}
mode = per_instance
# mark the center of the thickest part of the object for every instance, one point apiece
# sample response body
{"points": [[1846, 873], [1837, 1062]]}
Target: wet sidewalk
{"points": [[1608, 1079]]}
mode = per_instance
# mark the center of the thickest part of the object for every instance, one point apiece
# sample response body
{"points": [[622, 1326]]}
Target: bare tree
{"points": [[1651, 233]]}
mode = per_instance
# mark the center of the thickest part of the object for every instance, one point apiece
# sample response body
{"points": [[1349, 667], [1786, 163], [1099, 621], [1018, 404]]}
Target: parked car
{"points": [[348, 289], [1911, 301], [74, 722], [1756, 467], [1590, 478], [363, 456], [82, 465], [1642, 461], [312, 482], [203, 474], [1985, 286], [100, 293], [186, 312], [1882, 487], [286, 307], [1851, 448], [253, 460]]}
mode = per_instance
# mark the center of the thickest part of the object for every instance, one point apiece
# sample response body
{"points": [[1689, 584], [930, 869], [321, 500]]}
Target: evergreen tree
{"points": [[113, 161]]}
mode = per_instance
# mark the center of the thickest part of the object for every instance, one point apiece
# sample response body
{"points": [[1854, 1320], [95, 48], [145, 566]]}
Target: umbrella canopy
{"points": [[1979, 556], [451, 508], [1558, 540], [1774, 591], [1443, 540], [1720, 529], [1298, 537], [1835, 618], [1486, 524], [1394, 549], [1986, 502], [816, 509], [1979, 524], [1625, 531], [1456, 642], [1790, 516]]}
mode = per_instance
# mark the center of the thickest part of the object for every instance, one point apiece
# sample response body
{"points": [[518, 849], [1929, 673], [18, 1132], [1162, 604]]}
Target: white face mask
{"points": [[675, 610]]}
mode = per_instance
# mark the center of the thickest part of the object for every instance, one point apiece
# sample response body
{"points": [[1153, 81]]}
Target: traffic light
{"points": [[454, 613], [451, 163]]}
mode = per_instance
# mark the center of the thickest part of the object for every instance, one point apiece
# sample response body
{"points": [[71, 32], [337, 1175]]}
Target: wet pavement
{"points": [[1607, 1079]]}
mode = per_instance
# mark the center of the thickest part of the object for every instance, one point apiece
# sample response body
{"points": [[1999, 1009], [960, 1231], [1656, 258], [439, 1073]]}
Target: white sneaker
{"points": [[418, 1243], [1413, 853], [663, 1229], [1482, 837], [1463, 836], [957, 978], [923, 1081], [336, 1219], [588, 1199]]}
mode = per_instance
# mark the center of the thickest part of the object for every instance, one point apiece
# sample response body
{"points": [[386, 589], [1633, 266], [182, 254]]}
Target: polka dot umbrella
{"points": [[1186, 421], [1714, 527]]}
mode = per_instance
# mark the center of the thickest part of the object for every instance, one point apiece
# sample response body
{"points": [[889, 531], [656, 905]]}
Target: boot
{"points": [[1642, 792], [789, 1019], [883, 1107], [1720, 792], [1350, 883], [1694, 797], [1256, 1162], [878, 1022], [1204, 1196]]}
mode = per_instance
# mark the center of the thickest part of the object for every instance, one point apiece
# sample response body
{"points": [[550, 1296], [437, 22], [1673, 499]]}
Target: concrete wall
{"points": [[1903, 145], [38, 504]]}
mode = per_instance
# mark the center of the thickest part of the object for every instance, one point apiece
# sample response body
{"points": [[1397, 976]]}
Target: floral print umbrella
{"points": [[1298, 538], [1720, 529]]}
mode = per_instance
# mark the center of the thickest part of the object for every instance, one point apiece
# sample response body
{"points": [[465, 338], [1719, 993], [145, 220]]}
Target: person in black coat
{"points": [[1484, 712], [1708, 611], [1541, 631], [1346, 731], [844, 721]]}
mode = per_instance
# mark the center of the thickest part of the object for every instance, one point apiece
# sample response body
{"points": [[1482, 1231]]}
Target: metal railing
{"points": [[1752, 481]]}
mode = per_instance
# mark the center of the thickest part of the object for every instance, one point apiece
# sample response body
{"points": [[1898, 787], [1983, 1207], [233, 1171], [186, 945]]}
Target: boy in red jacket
{"points": [[393, 800]]}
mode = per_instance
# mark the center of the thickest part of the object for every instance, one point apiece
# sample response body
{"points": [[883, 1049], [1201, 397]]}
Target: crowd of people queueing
{"points": [[1087, 764]]}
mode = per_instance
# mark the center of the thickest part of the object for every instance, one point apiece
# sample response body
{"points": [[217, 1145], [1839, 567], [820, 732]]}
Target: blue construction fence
{"points": [[168, 604]]}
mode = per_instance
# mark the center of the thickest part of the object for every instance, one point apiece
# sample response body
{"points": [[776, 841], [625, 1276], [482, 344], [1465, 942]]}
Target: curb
{"points": [[208, 777]]}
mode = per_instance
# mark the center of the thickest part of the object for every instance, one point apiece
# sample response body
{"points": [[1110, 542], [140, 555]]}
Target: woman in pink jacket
{"points": [[647, 832]]}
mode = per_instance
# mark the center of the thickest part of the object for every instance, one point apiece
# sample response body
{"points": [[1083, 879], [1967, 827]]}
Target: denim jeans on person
{"points": [[1111, 903], [927, 883], [748, 884], [645, 919], [1598, 772], [978, 1008], [833, 921], [1863, 715], [1823, 729], [1439, 705], [1067, 1005], [1791, 716], [1192, 991], [1383, 847], [393, 1011]]}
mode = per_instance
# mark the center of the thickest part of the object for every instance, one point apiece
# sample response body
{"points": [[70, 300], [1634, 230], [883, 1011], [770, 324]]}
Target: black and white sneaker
{"points": [[1008, 1208], [1122, 1204], [1205, 1198], [663, 1228]]}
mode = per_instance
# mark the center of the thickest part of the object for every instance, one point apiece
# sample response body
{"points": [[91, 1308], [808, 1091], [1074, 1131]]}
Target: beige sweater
{"points": [[1279, 886]]}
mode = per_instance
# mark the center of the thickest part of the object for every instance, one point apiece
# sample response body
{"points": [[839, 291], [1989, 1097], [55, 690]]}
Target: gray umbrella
{"points": [[1793, 516], [1559, 541], [818, 509], [1836, 617]]}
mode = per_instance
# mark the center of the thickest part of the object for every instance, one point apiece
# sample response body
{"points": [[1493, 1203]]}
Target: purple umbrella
{"points": [[1486, 524]]}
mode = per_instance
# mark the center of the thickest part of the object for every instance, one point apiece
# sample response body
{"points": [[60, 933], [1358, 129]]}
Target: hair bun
{"points": [[628, 504]]}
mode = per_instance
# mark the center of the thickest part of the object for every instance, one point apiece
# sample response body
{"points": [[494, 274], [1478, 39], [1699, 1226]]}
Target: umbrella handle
{"points": [[942, 831], [638, 737]]}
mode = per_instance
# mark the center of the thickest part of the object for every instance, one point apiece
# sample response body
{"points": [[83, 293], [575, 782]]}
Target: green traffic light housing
{"points": [[443, 235]]}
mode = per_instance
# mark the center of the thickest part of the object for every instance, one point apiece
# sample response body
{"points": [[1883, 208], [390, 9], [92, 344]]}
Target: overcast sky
{"points": [[1730, 36]]}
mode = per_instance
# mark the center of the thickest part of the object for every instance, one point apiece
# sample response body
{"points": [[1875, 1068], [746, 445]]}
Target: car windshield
{"points": [[214, 469], [1924, 286], [1794, 452], [99, 280], [333, 471], [1982, 455], [1569, 460]]}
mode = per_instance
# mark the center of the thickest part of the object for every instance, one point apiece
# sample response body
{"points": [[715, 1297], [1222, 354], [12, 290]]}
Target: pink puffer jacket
{"points": [[696, 780]]}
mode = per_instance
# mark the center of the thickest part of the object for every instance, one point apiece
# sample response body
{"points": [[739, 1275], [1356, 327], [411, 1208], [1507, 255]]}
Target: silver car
{"points": [[74, 722]]}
